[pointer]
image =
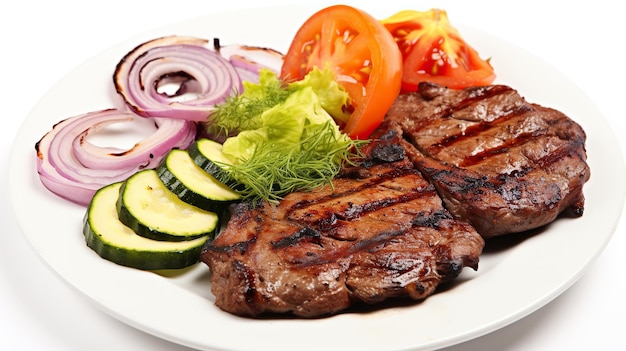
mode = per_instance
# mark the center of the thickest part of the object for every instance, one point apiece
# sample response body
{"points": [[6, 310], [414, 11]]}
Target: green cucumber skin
{"points": [[144, 260], [209, 166], [138, 257], [146, 231], [187, 195]]}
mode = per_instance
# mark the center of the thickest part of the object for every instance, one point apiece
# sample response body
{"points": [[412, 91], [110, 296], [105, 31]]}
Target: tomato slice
{"points": [[363, 54], [433, 50]]}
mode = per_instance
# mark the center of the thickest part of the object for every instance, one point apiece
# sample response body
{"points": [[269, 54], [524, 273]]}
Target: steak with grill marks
{"points": [[378, 232], [497, 161], [444, 166]]}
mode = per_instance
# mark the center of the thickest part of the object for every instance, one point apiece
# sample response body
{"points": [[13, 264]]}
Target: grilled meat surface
{"points": [[497, 161], [378, 232], [446, 170]]}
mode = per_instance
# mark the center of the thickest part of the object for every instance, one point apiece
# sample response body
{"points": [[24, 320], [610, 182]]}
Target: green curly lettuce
{"points": [[284, 138]]}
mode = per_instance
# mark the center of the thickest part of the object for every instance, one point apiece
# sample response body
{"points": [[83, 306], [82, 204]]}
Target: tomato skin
{"points": [[364, 56], [433, 50]]}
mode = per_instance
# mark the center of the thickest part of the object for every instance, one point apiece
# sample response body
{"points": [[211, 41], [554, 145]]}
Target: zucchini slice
{"points": [[113, 241], [151, 210], [207, 154], [182, 176]]}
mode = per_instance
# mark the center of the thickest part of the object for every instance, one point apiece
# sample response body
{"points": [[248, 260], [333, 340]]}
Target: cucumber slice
{"points": [[192, 184], [153, 211], [207, 154], [113, 241]]}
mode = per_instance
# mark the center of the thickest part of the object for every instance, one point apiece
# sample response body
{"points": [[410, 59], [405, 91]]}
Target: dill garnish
{"points": [[276, 170], [243, 112], [282, 139]]}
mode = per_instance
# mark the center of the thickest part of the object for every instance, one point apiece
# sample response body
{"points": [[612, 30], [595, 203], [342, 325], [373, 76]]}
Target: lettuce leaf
{"points": [[286, 137]]}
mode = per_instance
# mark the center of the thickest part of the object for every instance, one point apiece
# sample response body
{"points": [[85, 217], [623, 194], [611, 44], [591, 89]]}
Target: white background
{"points": [[42, 41]]}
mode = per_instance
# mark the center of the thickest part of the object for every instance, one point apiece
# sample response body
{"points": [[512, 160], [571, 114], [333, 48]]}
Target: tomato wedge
{"points": [[433, 50], [363, 54]]}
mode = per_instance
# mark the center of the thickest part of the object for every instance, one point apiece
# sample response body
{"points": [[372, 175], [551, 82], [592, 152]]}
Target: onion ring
{"points": [[74, 168], [249, 60], [139, 77]]}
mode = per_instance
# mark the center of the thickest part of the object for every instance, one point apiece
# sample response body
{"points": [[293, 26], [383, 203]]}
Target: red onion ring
{"points": [[139, 76], [249, 60], [74, 168], [170, 133]]}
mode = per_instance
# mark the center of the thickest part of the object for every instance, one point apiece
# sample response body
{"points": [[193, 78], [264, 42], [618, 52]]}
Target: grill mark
{"points": [[247, 277], [329, 255], [472, 160], [515, 174], [563, 151], [333, 255], [240, 247], [305, 234], [462, 184], [331, 217], [478, 129], [371, 182], [354, 212], [475, 96], [432, 220]]}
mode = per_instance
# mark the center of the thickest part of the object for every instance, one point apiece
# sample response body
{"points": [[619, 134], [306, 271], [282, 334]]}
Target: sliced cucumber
{"points": [[153, 211], [113, 241], [207, 154], [182, 176]]}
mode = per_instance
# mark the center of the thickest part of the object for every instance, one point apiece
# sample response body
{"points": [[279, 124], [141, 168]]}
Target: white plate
{"points": [[515, 277]]}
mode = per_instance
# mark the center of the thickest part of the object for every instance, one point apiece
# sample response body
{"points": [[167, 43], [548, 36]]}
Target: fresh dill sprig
{"points": [[275, 170], [243, 112], [282, 138]]}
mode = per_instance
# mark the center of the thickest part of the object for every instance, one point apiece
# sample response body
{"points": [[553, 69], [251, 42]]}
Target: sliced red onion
{"points": [[74, 168], [249, 60], [204, 78], [170, 133]]}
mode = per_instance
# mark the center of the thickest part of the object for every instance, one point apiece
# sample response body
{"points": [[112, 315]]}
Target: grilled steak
{"points": [[497, 161], [446, 170], [378, 232]]}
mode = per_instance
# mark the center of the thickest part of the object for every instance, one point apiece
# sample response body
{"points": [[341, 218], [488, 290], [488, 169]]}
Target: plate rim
{"points": [[112, 308]]}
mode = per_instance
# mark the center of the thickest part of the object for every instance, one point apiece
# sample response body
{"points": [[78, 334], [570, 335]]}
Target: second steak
{"points": [[503, 164]]}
